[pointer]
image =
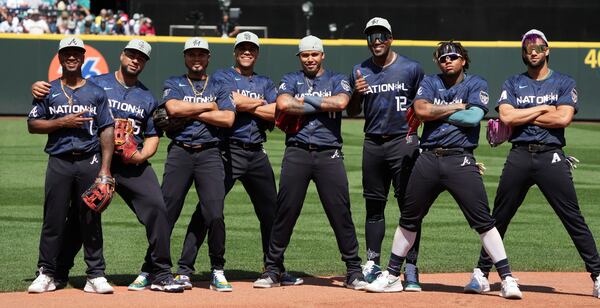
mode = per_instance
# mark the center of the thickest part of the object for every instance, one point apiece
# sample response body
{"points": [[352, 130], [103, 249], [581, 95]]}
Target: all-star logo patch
{"points": [[484, 97], [574, 95]]}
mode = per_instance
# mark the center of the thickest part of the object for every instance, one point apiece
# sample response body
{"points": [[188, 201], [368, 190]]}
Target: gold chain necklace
{"points": [[196, 93], [69, 98]]}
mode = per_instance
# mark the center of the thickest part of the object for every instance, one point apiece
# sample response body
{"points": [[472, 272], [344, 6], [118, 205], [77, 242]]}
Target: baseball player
{"points": [[194, 157], [243, 154], [385, 84], [76, 118], [313, 153], [451, 104], [137, 183], [538, 104]]}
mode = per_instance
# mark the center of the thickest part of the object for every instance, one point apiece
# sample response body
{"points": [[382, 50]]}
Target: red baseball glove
{"points": [[125, 144], [412, 120], [289, 123], [99, 195]]}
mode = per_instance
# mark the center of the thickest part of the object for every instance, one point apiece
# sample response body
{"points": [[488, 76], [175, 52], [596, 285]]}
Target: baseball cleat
{"points": [[42, 283], [355, 283], [411, 278], [371, 270], [140, 283], [287, 279], [478, 284], [168, 285], [266, 281], [98, 285], [219, 283], [385, 283], [510, 288], [184, 280], [596, 292]]}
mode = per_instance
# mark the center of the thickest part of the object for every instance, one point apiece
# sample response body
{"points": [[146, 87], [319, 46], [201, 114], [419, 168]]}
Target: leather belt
{"points": [[536, 147], [447, 151], [312, 147], [246, 146], [197, 147]]}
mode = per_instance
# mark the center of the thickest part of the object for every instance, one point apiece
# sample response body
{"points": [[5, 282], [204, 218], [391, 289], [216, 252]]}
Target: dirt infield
{"points": [[442, 290]]}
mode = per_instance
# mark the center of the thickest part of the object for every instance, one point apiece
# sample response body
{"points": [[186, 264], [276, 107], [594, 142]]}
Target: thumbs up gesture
{"points": [[360, 85]]}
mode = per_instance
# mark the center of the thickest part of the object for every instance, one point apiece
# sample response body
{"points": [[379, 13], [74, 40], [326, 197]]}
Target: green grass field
{"points": [[536, 240]]}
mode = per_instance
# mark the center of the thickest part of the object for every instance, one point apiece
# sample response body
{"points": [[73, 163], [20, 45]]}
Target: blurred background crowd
{"points": [[69, 17]]}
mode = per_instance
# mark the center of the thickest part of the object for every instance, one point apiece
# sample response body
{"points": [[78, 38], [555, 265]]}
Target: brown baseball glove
{"points": [[99, 195]]}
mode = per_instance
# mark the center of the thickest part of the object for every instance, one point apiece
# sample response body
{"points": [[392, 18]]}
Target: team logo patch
{"points": [[94, 64], [166, 92], [345, 85], [503, 96], [420, 91], [33, 113], [282, 86], [484, 97], [574, 95]]}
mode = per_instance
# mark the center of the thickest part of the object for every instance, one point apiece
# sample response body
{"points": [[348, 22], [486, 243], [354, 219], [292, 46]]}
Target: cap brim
{"points": [[253, 43], [143, 53], [76, 47]]}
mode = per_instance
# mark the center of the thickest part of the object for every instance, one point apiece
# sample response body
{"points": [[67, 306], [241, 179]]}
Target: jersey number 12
{"points": [[400, 103]]}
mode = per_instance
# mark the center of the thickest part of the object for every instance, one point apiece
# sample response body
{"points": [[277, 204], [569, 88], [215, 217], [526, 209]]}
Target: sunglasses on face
{"points": [[537, 48], [445, 58], [382, 37]]}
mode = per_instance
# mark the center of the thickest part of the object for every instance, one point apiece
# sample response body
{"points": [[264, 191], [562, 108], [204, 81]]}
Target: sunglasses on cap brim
{"points": [[381, 36], [452, 56]]}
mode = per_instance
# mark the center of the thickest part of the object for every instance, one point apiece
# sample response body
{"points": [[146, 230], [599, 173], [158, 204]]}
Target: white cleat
{"points": [[596, 292], [478, 284], [43, 283], [385, 283], [510, 288], [98, 285]]}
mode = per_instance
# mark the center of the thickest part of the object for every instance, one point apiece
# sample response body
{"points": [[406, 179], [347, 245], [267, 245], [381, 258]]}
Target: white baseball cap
{"points": [[71, 41], [196, 42], [246, 36], [536, 32], [310, 43], [139, 45], [378, 22]]}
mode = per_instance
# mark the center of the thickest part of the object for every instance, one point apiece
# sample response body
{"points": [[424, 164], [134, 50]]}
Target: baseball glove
{"points": [[288, 123], [497, 132], [412, 120], [168, 124], [125, 144], [99, 195]]}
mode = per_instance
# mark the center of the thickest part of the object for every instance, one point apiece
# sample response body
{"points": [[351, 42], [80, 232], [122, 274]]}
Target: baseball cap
{"points": [[196, 42], [310, 43], [246, 36], [534, 32], [378, 22], [139, 45], [71, 41]]}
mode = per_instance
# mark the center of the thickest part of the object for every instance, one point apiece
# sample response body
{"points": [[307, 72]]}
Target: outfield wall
{"points": [[26, 58]]}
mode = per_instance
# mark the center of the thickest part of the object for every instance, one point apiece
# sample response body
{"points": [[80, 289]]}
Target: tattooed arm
{"points": [[427, 111]]}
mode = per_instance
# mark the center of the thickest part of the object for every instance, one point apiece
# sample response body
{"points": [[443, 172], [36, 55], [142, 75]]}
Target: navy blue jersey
{"points": [[247, 127], [135, 103], [391, 91], [55, 105], [473, 90], [521, 91], [322, 128], [179, 88]]}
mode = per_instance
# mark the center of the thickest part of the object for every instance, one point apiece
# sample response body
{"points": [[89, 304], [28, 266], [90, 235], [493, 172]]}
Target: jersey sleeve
{"points": [[171, 91], [507, 96], [270, 91], [103, 116], [418, 76], [568, 94], [479, 94], [341, 85], [426, 90], [287, 85], [39, 109], [223, 95], [151, 130]]}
